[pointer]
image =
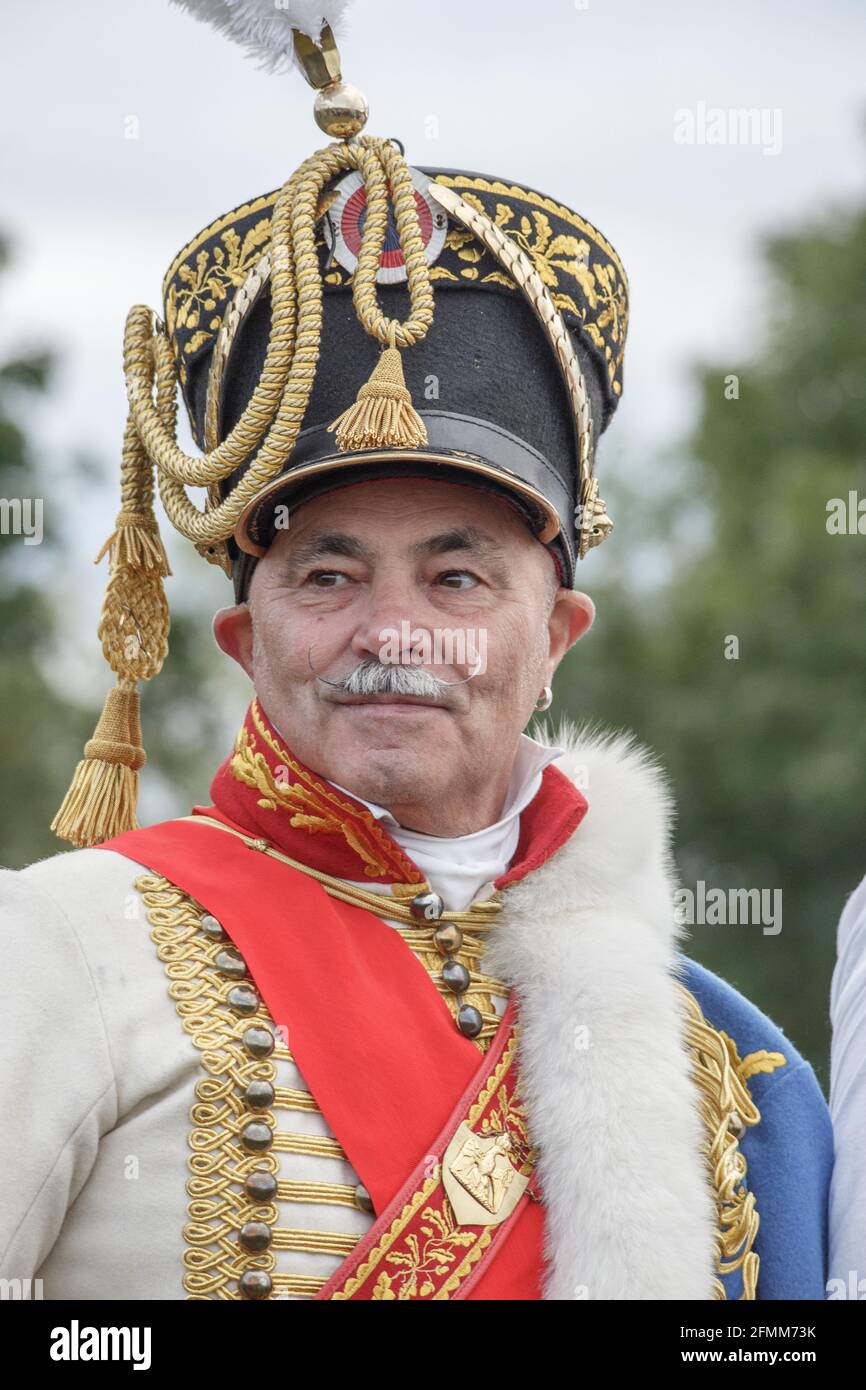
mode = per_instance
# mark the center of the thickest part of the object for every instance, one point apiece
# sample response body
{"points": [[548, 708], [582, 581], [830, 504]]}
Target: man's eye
{"points": [[326, 579], [458, 579]]}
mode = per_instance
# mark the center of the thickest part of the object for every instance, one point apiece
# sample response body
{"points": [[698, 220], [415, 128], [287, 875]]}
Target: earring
{"points": [[545, 699]]}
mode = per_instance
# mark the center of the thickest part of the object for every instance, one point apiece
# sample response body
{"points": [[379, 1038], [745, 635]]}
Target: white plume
{"points": [[264, 27]]}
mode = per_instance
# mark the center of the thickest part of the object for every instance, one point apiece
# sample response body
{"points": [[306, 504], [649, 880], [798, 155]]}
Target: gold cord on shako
{"points": [[134, 623]]}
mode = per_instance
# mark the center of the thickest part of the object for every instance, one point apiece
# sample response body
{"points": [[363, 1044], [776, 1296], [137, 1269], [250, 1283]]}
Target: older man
{"points": [[401, 1015]]}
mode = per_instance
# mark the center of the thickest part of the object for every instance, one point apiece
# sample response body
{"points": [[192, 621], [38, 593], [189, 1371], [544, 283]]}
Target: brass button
{"points": [[243, 999], [256, 1136], [469, 1021], [261, 1185], [448, 938], [230, 963], [363, 1200], [259, 1042], [456, 976], [427, 907], [255, 1236], [259, 1095], [255, 1283]]}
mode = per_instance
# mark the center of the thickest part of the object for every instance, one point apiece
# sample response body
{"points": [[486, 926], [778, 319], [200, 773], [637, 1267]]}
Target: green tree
{"points": [[767, 752]]}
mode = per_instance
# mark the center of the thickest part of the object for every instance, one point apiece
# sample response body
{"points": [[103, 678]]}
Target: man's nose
{"points": [[393, 608]]}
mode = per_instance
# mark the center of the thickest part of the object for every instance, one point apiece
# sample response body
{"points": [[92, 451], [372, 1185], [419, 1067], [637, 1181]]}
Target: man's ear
{"points": [[233, 630], [572, 615]]}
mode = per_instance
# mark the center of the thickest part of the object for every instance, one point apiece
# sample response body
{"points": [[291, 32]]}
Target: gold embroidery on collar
{"points": [[312, 806], [728, 1110]]}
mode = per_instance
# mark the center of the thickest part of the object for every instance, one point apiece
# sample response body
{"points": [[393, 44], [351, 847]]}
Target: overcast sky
{"points": [[578, 100]]}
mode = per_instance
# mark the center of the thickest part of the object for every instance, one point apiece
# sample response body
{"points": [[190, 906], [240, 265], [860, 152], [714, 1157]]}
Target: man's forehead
{"points": [[433, 538]]}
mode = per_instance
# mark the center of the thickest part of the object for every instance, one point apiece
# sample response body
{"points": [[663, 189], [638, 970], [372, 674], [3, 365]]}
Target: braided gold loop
{"points": [[382, 166], [271, 421]]}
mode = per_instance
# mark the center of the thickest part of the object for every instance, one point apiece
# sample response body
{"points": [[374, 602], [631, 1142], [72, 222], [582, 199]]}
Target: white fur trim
{"points": [[588, 943]]}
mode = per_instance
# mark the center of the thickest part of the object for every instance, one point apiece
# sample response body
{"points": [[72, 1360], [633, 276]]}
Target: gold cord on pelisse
{"points": [[134, 624]]}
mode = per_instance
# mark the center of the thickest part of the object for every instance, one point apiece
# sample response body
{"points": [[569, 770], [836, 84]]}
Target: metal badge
{"points": [[482, 1183], [343, 227]]}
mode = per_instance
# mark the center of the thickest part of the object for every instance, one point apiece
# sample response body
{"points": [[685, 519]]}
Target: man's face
{"points": [[406, 570]]}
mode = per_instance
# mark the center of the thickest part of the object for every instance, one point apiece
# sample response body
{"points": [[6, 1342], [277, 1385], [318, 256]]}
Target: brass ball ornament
{"points": [[341, 110]]}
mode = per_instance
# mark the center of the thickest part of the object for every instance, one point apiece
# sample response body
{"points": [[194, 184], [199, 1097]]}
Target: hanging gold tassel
{"points": [[383, 415], [102, 796], [133, 628]]}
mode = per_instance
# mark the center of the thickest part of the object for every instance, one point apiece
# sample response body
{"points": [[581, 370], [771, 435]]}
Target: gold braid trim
{"points": [[482, 987], [728, 1110], [219, 1164], [214, 1258]]}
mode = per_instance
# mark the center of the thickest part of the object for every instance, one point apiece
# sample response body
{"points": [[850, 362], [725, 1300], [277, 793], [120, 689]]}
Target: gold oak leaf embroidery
{"points": [[441, 1245]]}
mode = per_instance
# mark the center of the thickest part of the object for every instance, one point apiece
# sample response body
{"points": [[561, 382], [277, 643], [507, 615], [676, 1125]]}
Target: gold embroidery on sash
{"points": [[413, 1261]]}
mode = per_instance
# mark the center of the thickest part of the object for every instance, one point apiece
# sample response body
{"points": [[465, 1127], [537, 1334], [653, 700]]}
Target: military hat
{"points": [[493, 385], [368, 319]]}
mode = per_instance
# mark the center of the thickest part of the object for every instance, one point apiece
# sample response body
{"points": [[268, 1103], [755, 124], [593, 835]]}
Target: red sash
{"points": [[375, 1043]]}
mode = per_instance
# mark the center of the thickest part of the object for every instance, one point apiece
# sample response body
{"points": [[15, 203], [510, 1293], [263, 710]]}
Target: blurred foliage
{"points": [[44, 732], [766, 752]]}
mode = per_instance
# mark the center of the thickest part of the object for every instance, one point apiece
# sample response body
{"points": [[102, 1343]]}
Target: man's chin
{"points": [[388, 726], [388, 773]]}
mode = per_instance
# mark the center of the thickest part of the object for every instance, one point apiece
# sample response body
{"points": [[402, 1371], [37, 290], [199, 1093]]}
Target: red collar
{"points": [[263, 789]]}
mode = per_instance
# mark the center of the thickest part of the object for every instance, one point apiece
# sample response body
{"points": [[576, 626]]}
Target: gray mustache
{"points": [[373, 677]]}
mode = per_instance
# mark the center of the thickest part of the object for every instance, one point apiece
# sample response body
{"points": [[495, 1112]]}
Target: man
{"points": [[401, 1015]]}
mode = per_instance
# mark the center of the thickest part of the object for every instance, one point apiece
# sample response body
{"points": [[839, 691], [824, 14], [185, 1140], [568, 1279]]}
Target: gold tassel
{"points": [[136, 542], [133, 628], [102, 796], [383, 415]]}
